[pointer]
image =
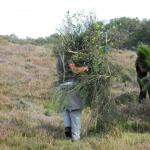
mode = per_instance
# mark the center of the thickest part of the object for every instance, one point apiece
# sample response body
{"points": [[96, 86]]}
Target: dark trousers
{"points": [[143, 90]]}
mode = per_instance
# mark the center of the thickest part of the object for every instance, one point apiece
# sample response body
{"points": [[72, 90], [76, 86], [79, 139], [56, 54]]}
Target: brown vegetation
{"points": [[26, 76]]}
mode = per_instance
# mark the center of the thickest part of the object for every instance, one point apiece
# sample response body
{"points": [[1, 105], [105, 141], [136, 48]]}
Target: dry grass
{"points": [[125, 58], [26, 76]]}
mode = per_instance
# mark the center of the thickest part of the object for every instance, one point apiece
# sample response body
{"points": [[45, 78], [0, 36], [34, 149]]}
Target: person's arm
{"points": [[77, 70]]}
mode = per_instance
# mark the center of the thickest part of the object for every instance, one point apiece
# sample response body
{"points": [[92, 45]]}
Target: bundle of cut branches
{"points": [[81, 42], [143, 52]]}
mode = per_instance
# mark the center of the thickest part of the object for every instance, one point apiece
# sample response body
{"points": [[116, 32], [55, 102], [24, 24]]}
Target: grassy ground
{"points": [[28, 120]]}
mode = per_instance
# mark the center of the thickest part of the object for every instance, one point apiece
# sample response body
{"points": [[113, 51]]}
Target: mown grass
{"points": [[28, 119]]}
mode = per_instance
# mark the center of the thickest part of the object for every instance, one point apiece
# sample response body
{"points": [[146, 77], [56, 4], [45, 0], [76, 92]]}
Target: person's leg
{"points": [[149, 93], [148, 88], [142, 96], [143, 92], [75, 124], [67, 123]]}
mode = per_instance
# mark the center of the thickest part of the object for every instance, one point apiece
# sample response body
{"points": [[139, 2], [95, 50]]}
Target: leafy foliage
{"points": [[119, 33], [81, 42], [127, 33], [143, 52]]}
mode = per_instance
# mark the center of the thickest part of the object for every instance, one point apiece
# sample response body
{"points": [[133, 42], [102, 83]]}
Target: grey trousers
{"points": [[72, 119]]}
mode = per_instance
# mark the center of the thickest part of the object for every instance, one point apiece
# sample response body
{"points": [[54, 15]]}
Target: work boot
{"points": [[68, 132]]}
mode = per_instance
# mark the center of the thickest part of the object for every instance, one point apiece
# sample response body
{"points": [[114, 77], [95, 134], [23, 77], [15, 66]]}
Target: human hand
{"points": [[76, 69], [85, 69]]}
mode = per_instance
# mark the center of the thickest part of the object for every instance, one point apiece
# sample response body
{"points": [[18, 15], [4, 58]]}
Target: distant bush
{"points": [[120, 33]]}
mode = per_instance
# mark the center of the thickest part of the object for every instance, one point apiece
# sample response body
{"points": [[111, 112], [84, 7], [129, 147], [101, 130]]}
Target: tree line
{"points": [[119, 33], [127, 33]]}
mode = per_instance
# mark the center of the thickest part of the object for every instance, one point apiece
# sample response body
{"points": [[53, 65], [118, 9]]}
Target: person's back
{"points": [[67, 75], [67, 80]]}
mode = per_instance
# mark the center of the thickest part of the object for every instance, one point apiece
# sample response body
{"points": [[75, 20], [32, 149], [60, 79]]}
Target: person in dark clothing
{"points": [[67, 74], [142, 72]]}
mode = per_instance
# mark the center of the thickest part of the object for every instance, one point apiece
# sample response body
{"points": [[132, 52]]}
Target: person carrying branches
{"points": [[84, 74], [67, 74], [142, 68]]}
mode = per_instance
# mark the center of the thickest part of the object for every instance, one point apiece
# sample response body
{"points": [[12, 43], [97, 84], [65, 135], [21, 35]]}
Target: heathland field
{"points": [[28, 119]]}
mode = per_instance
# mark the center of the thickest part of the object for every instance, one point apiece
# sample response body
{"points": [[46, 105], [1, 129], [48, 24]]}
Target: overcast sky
{"points": [[40, 18]]}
